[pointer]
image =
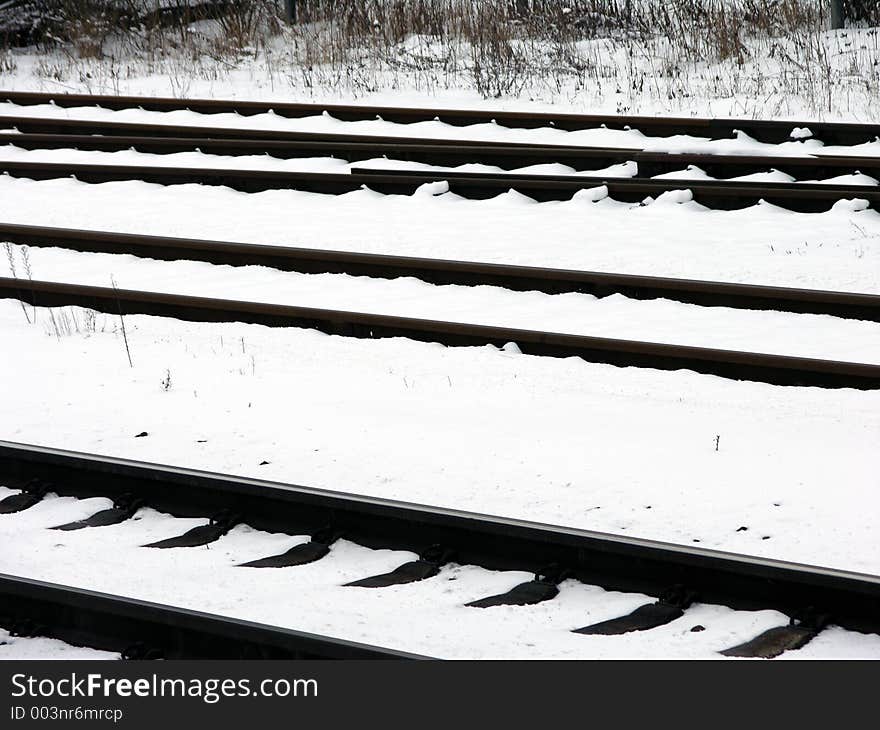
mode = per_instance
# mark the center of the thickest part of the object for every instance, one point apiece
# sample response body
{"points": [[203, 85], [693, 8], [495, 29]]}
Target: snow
{"points": [[614, 73], [692, 172], [835, 643], [773, 176], [552, 440], [437, 621], [762, 244], [856, 178], [615, 316], [19, 648]]}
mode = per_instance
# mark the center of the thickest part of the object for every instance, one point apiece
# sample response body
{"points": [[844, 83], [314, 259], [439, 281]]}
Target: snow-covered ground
{"points": [[763, 244], [622, 450], [616, 316], [427, 617], [19, 647], [700, 68], [562, 437]]}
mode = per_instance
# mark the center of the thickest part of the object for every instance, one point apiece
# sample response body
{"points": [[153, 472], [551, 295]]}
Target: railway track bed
{"points": [[718, 194], [134, 629], [349, 563], [279, 305], [548, 280], [86, 136], [576, 570]]}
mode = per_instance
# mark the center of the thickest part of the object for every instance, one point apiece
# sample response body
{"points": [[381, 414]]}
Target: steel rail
{"points": [[719, 194], [849, 305], [615, 562], [777, 369], [47, 125], [772, 131], [424, 151], [353, 150], [120, 624]]}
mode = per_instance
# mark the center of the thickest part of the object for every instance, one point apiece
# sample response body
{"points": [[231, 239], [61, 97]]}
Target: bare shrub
{"points": [[7, 62], [759, 56]]}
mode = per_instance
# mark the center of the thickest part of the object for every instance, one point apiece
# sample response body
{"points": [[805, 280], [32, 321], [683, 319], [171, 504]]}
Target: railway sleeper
{"points": [[773, 642], [543, 587], [220, 524], [26, 628], [308, 552], [142, 651], [124, 507], [427, 566], [670, 606], [32, 493]]}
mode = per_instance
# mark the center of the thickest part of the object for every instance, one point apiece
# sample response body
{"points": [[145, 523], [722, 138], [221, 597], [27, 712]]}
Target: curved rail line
{"points": [[140, 629], [719, 194], [615, 562], [763, 130], [849, 305], [426, 151], [777, 369]]}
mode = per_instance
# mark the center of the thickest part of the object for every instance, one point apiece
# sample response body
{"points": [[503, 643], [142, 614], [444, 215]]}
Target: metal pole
{"points": [[290, 11], [837, 16]]}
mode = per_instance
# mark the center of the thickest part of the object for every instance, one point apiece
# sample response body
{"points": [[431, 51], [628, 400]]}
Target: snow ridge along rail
{"points": [[777, 369], [144, 630], [720, 194], [442, 271], [763, 130], [813, 596]]}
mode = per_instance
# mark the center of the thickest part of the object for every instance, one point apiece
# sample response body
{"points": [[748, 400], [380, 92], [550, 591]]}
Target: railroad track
{"points": [[719, 194], [776, 369], [809, 195], [143, 630], [36, 133], [763, 130], [679, 576], [232, 135], [443, 271]]}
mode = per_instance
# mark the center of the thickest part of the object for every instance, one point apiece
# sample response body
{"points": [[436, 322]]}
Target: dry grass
{"points": [[665, 50]]}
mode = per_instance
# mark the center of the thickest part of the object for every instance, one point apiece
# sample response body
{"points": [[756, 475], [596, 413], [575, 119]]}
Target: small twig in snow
{"points": [[122, 320]]}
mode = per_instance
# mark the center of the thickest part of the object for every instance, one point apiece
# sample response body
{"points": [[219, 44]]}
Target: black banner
{"points": [[159, 695]]}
